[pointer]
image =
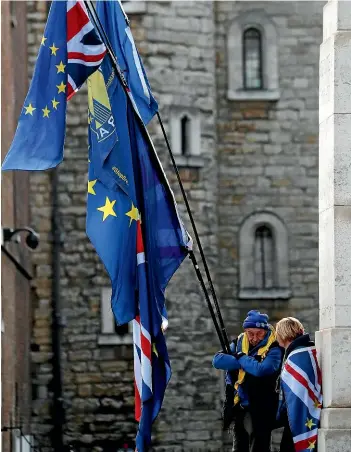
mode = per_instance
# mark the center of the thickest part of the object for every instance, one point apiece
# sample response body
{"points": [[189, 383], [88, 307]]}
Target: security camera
{"points": [[32, 240], [12, 235]]}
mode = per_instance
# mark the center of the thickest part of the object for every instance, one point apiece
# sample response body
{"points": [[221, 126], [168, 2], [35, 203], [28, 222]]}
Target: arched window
{"points": [[185, 131], [185, 134], [252, 49], [252, 59], [264, 258]]}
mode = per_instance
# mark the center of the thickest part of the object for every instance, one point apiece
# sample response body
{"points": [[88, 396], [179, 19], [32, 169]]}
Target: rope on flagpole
{"points": [[220, 329]]}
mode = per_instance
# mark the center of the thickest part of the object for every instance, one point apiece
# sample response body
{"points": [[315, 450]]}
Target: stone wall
{"points": [[254, 156], [268, 158]]}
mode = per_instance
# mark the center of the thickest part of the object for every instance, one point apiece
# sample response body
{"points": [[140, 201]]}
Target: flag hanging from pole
{"points": [[70, 51], [116, 26], [132, 217]]}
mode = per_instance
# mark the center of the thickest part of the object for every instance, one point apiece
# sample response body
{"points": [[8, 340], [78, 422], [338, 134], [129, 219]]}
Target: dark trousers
{"points": [[248, 439], [287, 443]]}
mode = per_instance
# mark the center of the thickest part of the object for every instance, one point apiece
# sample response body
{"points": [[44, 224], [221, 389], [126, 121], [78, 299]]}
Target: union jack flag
{"points": [[152, 370], [302, 390], [85, 50]]}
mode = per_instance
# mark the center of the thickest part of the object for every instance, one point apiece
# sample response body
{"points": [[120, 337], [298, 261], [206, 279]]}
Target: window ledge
{"points": [[264, 294], [134, 7], [191, 161], [113, 339], [254, 95]]}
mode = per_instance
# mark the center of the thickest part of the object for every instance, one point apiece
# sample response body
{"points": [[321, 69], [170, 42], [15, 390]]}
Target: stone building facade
{"points": [[237, 85]]}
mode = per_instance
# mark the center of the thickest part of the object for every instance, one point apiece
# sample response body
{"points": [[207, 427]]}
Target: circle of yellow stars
{"points": [[61, 88]]}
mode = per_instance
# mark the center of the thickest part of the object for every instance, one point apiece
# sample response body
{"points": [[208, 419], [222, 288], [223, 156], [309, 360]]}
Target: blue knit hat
{"points": [[255, 319]]}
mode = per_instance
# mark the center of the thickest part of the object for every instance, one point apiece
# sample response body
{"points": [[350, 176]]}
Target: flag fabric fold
{"points": [[302, 389], [116, 26], [116, 220], [70, 51], [132, 217]]}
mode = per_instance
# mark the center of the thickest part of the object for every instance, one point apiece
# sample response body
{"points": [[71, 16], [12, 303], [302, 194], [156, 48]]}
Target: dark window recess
{"points": [[264, 258], [252, 59], [185, 135], [121, 330]]}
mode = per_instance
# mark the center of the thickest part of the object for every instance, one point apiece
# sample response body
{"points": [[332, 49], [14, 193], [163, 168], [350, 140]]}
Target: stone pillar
{"points": [[334, 337]]}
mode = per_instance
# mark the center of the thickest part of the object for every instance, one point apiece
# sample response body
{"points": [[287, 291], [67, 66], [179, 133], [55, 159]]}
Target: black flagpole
{"points": [[221, 330], [202, 254]]}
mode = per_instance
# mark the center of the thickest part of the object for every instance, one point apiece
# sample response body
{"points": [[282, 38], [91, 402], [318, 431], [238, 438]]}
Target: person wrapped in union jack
{"points": [[300, 388], [252, 370]]}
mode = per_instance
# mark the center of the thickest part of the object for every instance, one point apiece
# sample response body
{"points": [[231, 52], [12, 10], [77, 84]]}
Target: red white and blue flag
{"points": [[152, 370], [85, 51], [302, 390]]}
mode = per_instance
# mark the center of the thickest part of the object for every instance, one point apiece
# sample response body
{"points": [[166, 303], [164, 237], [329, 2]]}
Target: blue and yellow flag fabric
{"points": [[70, 51], [116, 26], [140, 205], [132, 218], [126, 182]]}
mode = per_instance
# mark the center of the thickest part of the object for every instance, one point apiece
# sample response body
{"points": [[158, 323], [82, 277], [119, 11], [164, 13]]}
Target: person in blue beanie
{"points": [[251, 374]]}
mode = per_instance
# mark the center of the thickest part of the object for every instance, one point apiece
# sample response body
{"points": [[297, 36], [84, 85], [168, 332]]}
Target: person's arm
{"points": [[268, 366], [224, 361]]}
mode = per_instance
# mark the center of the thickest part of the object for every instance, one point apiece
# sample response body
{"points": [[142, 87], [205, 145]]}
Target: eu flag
{"points": [[38, 143], [132, 218], [126, 182], [70, 51]]}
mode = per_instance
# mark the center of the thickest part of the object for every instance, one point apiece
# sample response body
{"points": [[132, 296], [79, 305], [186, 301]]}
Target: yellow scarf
{"points": [[245, 349]]}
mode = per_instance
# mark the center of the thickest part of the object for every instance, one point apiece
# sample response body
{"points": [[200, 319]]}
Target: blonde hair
{"points": [[288, 329]]}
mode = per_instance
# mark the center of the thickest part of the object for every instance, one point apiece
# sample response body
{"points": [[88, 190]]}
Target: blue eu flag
{"points": [[70, 51], [39, 139], [132, 217], [141, 203], [138, 190]]}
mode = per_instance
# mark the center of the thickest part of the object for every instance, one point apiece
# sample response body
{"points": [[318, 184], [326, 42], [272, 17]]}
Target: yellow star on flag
{"points": [[29, 109], [60, 67], [91, 184], [53, 49], [311, 445], [107, 209], [61, 87], [43, 39], [317, 404], [309, 424], [133, 214], [55, 103], [154, 349], [46, 112]]}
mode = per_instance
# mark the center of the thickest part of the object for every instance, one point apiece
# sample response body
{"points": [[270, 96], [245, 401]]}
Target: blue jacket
{"points": [[268, 367]]}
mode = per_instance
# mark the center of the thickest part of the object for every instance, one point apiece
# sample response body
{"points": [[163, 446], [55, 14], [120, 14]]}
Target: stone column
{"points": [[334, 337]]}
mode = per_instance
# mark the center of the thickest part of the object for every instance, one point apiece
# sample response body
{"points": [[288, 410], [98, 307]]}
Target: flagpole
{"points": [[202, 254], [221, 330], [209, 305]]}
